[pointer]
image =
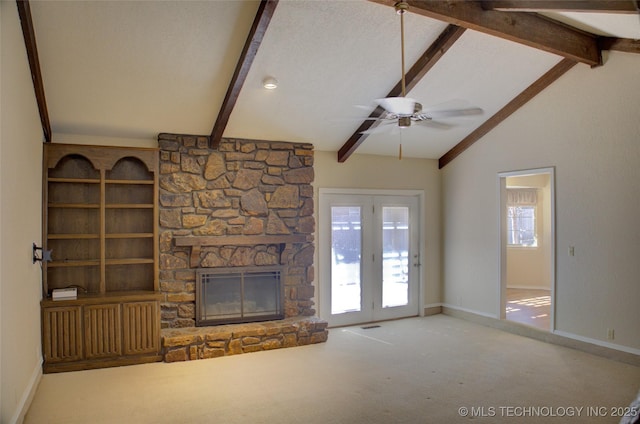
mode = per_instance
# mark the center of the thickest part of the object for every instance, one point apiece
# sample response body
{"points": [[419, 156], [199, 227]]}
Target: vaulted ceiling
{"points": [[134, 69]]}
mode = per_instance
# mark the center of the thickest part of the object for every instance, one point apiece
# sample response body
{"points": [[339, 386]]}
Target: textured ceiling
{"points": [[135, 69]]}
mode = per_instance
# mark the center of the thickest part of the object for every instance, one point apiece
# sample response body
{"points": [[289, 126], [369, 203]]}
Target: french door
{"points": [[369, 257]]}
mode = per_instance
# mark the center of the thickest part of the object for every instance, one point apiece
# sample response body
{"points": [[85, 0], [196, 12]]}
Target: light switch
{"points": [[571, 251]]}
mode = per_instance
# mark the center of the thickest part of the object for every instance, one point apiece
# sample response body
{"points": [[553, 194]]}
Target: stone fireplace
{"points": [[246, 205]]}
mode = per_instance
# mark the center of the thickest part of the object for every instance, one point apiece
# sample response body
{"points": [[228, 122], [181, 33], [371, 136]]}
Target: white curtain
{"points": [[522, 196]]}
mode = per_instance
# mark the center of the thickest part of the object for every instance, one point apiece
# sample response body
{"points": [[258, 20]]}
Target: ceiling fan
{"points": [[405, 111]]}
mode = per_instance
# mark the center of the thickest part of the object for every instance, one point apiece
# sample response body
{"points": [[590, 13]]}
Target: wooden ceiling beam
{"points": [[428, 59], [598, 6], [529, 93], [525, 28], [620, 44], [24, 11], [254, 39]]}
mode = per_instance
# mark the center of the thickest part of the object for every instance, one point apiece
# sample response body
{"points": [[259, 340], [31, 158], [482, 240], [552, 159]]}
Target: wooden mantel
{"points": [[196, 243]]}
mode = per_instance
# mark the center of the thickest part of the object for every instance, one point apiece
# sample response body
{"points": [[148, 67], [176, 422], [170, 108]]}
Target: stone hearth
{"points": [[188, 344]]}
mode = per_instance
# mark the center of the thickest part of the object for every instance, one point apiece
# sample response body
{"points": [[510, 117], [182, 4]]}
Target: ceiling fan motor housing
{"points": [[401, 7], [404, 121]]}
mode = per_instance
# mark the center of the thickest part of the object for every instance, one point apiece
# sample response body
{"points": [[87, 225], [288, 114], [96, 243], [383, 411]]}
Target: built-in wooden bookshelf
{"points": [[100, 221]]}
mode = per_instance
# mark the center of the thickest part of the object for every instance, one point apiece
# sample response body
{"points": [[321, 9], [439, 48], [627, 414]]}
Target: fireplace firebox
{"points": [[241, 294]]}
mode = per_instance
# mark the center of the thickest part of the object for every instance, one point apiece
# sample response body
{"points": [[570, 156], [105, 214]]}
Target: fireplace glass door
{"points": [[232, 295]]}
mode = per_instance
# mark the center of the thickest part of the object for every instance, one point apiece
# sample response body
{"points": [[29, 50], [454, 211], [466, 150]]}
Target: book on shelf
{"points": [[64, 294]]}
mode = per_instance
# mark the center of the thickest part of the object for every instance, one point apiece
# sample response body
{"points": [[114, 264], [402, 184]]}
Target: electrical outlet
{"points": [[571, 251], [611, 334]]}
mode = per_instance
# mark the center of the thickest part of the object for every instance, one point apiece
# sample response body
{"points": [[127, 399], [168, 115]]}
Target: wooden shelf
{"points": [[131, 182], [128, 235], [103, 194], [74, 205], [72, 236], [68, 263], [98, 298], [129, 206], [74, 180], [129, 261], [100, 213]]}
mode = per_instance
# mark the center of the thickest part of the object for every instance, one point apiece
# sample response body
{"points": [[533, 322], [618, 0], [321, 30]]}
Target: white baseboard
{"points": [[597, 342], [27, 396], [565, 334], [431, 309], [608, 350], [470, 311]]}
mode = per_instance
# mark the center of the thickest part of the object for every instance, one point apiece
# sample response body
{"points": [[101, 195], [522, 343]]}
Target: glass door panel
{"points": [[395, 256], [346, 252]]}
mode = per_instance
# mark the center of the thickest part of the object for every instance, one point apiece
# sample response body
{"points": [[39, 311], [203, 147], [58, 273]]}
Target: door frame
{"points": [[502, 187], [324, 239]]}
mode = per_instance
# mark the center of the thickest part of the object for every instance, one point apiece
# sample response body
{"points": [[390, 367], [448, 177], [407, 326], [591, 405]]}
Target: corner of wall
{"points": [[28, 395], [20, 223]]}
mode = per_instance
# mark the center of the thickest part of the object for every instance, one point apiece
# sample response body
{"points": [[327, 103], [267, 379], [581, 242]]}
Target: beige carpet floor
{"points": [[417, 370]]}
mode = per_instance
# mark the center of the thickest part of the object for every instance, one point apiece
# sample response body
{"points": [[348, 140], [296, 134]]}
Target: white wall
{"points": [[379, 172], [20, 223], [587, 125]]}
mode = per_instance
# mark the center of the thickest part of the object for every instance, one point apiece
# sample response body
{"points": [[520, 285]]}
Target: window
{"points": [[521, 226], [521, 217]]}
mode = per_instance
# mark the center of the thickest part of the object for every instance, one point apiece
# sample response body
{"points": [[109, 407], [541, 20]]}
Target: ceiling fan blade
{"points": [[434, 124], [451, 104], [452, 113], [364, 107], [380, 128], [355, 119], [398, 105]]}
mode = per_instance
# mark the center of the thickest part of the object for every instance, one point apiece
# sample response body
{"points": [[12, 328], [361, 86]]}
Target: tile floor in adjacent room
{"points": [[529, 306]]}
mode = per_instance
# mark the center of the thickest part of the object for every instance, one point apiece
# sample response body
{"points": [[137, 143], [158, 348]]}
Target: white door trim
{"points": [[324, 269]]}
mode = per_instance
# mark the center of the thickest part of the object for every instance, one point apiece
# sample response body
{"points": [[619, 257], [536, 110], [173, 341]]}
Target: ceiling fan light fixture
{"points": [[402, 106], [270, 83]]}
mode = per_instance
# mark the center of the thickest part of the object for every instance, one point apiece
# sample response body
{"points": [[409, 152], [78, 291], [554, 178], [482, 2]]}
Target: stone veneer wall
{"points": [[244, 188]]}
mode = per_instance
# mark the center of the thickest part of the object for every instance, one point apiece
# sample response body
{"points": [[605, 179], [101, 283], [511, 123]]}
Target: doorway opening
{"points": [[527, 247]]}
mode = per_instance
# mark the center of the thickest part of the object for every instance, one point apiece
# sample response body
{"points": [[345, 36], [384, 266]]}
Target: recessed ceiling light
{"points": [[270, 83]]}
